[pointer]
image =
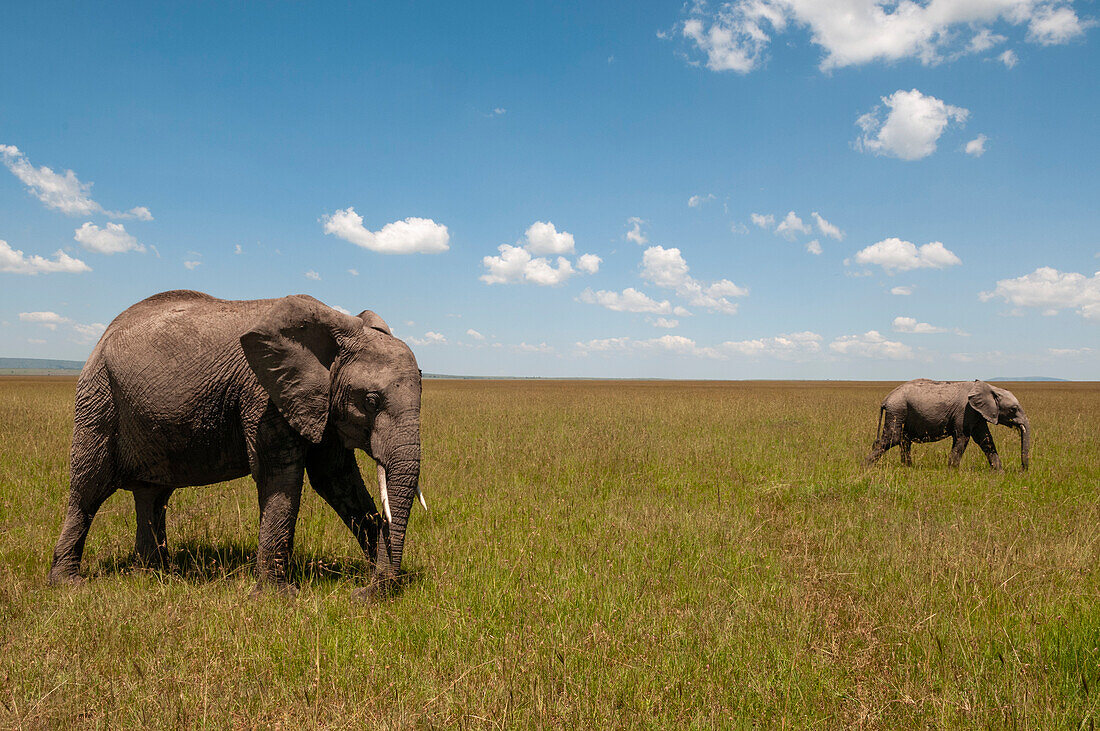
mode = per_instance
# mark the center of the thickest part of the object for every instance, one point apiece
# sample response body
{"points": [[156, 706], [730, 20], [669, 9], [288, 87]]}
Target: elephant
{"points": [[184, 389], [927, 411]]}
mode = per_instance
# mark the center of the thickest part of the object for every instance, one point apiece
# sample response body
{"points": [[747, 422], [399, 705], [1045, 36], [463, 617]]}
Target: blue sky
{"points": [[652, 170]]}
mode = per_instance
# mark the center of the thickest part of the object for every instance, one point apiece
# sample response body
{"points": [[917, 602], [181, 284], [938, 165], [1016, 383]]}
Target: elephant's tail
{"points": [[878, 432]]}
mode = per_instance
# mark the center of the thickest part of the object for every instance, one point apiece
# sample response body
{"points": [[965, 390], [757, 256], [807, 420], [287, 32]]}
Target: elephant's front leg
{"points": [[958, 446], [985, 441], [280, 493], [334, 475]]}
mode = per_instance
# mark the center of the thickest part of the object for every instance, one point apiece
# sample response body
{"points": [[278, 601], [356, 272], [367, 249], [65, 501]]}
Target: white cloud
{"points": [[533, 348], [430, 338], [976, 146], [192, 264], [62, 192], [238, 250], [901, 291], [666, 268], [912, 126], [895, 255], [588, 263], [738, 228], [792, 346], [1009, 58], [635, 233], [410, 236], [629, 300], [1068, 352], [475, 334], [910, 325], [665, 322], [498, 111], [49, 320], [14, 261], [516, 263], [827, 228], [697, 200], [814, 247], [342, 310], [353, 272], [871, 344], [1051, 290], [763, 220], [543, 238], [313, 275], [735, 35], [113, 239], [791, 226]]}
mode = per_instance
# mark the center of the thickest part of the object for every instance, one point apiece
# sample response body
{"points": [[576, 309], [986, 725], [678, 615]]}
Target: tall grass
{"points": [[596, 554]]}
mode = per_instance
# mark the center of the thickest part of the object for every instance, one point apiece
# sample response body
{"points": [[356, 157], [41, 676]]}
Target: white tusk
{"points": [[384, 493], [421, 496]]}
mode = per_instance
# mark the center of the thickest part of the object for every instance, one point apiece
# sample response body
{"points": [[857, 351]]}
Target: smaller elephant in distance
{"points": [[928, 411]]}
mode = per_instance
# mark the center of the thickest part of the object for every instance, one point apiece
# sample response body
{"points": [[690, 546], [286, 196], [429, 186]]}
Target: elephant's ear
{"points": [[984, 401], [290, 349], [373, 321]]}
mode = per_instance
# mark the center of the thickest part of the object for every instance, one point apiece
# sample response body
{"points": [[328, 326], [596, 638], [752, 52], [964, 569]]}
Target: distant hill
{"points": [[1026, 378], [40, 364]]}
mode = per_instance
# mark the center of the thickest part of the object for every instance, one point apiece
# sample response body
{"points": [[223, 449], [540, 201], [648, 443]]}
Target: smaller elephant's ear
{"points": [[984, 401], [373, 321], [290, 349]]}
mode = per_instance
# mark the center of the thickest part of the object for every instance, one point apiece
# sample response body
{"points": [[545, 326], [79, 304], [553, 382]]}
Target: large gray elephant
{"points": [[927, 411], [184, 389]]}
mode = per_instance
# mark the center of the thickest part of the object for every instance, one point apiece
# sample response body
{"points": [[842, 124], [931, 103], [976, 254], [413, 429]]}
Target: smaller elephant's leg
{"points": [[151, 539], [958, 446], [280, 494], [985, 441], [906, 451], [891, 437]]}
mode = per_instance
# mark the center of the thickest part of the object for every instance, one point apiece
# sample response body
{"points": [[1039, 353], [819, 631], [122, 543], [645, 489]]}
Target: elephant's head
{"points": [[1000, 406], [327, 370]]}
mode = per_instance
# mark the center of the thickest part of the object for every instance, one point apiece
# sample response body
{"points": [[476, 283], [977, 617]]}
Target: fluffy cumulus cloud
{"points": [[111, 239], [696, 201], [522, 263], [635, 233], [430, 338], [901, 291], [14, 261], [475, 334], [1009, 59], [976, 146], [735, 35], [1050, 290], [792, 346], [913, 123], [666, 268], [871, 344], [667, 323], [83, 333], [895, 255], [630, 300], [791, 226], [61, 191], [814, 247], [410, 236], [910, 325]]}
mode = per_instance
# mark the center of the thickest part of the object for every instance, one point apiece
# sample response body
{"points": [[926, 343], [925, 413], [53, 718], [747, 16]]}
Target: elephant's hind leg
{"points": [[87, 492], [907, 451], [958, 446], [150, 538]]}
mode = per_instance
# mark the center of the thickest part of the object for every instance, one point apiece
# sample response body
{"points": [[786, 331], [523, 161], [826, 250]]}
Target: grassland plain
{"points": [[597, 554]]}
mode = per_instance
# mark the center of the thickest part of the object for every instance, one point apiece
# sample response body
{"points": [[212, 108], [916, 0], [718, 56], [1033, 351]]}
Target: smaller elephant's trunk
{"points": [[1025, 444]]}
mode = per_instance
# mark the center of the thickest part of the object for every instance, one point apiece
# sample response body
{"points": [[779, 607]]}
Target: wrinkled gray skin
{"points": [[927, 411], [184, 389]]}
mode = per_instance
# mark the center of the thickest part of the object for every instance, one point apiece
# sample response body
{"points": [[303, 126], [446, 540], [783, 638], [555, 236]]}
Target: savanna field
{"points": [[596, 554]]}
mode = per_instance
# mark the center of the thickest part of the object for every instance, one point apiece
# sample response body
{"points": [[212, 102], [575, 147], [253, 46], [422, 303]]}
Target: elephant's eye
{"points": [[373, 400]]}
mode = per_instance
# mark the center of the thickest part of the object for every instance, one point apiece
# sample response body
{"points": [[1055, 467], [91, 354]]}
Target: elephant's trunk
{"points": [[399, 471], [1025, 443]]}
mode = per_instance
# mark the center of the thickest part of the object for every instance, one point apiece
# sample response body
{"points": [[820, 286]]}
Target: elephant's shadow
{"points": [[196, 562]]}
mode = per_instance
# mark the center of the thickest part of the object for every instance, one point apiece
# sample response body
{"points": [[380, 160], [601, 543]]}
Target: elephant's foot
{"points": [[65, 577], [156, 558]]}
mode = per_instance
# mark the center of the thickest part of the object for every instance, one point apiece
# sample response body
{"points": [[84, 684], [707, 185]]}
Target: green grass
{"points": [[597, 554]]}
